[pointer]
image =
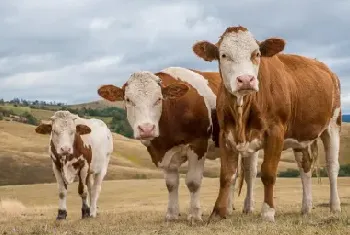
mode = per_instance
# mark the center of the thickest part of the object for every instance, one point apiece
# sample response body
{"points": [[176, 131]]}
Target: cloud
{"points": [[64, 50]]}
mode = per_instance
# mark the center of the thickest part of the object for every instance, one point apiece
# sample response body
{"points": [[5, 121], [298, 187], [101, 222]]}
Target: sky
{"points": [[64, 50]]}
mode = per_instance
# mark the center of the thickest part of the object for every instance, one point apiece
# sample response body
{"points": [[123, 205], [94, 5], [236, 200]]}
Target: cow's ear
{"points": [[83, 129], [111, 93], [206, 50], [271, 46], [174, 91], [44, 129]]}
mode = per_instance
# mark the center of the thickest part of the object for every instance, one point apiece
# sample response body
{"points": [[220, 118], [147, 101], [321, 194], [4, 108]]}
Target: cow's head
{"points": [[143, 96], [64, 132], [238, 54]]}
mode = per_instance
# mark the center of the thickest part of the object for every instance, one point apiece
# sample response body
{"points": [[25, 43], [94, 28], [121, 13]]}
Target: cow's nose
{"points": [[65, 150], [245, 80], [146, 128]]}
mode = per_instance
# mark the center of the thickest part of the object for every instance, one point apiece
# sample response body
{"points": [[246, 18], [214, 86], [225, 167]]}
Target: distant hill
{"points": [[98, 104]]}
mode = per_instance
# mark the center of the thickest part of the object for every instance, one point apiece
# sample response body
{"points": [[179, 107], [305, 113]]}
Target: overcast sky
{"points": [[64, 50]]}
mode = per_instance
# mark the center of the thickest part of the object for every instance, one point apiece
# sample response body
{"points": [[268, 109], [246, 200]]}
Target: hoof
{"points": [[217, 213], [85, 212], [62, 214], [195, 216], [267, 213]]}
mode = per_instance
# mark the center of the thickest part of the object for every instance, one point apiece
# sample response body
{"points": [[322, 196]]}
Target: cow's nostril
{"points": [[251, 79]]}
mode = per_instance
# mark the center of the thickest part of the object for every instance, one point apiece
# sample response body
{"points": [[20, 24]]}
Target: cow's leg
{"points": [[331, 141], [272, 154], [228, 167], [95, 191], [193, 181], [230, 204], [302, 157], [83, 191], [250, 164], [62, 194], [172, 183]]}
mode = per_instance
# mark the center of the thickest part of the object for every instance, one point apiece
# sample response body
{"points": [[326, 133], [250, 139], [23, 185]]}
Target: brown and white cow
{"points": [[171, 113], [78, 147], [273, 102]]}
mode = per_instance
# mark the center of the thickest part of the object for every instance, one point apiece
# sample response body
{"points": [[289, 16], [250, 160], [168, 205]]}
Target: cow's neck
{"points": [[246, 116], [80, 149]]}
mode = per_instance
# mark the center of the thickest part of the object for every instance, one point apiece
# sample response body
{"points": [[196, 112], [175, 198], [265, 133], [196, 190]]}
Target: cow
{"points": [[172, 112], [272, 101], [78, 147]]}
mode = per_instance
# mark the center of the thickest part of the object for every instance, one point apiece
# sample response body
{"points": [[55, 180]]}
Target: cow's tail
{"points": [[240, 173], [315, 160]]}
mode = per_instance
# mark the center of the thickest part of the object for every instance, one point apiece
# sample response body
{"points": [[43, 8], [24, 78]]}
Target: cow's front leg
{"points": [[250, 162], [272, 153], [229, 161], [83, 192], [62, 194], [172, 183], [231, 196], [193, 181]]}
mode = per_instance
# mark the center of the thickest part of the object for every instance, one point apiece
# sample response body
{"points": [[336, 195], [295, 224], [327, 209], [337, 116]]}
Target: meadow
{"points": [[139, 206], [134, 196]]}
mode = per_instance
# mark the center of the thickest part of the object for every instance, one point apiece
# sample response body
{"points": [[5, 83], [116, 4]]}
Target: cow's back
{"points": [[303, 92]]}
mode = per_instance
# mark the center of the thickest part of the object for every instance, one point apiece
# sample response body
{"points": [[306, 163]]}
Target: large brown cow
{"points": [[272, 101], [171, 113]]}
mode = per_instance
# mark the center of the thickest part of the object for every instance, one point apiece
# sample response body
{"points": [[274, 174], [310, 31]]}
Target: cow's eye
{"points": [[159, 100], [223, 56], [128, 101]]}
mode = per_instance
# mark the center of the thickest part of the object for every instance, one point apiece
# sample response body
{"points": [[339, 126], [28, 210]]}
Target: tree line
{"points": [[119, 123]]}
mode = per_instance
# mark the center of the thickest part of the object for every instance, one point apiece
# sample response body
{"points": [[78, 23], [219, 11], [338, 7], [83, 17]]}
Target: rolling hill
{"points": [[24, 158]]}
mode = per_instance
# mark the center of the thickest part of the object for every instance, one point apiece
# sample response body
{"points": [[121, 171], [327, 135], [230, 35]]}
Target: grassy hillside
{"points": [[98, 104], [139, 206], [24, 158]]}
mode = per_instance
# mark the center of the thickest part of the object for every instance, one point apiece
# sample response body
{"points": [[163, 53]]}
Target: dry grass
{"points": [[138, 207]]}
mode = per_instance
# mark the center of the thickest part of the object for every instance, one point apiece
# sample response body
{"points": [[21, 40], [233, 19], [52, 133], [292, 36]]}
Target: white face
{"points": [[63, 135], [239, 62], [143, 101]]}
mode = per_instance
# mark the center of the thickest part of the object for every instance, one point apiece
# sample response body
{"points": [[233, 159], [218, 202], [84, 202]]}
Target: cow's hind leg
{"points": [[62, 195], [95, 191], [303, 160], [193, 181], [331, 142]]}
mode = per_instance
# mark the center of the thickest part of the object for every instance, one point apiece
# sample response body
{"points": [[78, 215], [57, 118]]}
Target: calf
{"points": [[78, 147], [273, 102], [173, 113]]}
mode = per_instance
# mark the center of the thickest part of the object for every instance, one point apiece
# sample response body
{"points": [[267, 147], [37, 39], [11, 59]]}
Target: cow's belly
{"points": [[174, 157], [295, 144]]}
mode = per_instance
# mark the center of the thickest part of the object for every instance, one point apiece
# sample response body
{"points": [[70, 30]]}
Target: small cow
{"points": [[78, 147], [173, 113], [273, 102]]}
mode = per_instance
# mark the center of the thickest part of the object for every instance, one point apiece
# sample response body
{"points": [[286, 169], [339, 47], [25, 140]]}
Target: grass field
{"points": [[138, 207]]}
